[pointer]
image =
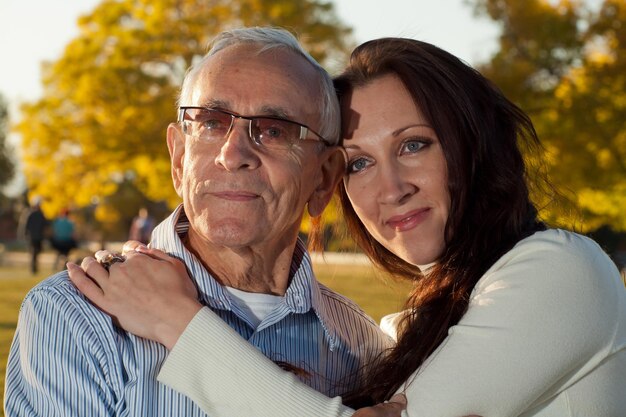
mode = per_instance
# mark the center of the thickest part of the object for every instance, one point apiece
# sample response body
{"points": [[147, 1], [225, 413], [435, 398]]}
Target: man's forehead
{"points": [[276, 82], [280, 61], [263, 109]]}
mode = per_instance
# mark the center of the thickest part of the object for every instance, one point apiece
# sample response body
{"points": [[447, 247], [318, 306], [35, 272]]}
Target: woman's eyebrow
{"points": [[402, 129]]}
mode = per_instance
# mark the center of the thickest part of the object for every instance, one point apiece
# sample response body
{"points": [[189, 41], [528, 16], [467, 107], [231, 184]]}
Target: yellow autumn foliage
{"points": [[564, 62], [108, 99]]}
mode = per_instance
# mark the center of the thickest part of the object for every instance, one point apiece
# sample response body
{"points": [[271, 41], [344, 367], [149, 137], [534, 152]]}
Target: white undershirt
{"points": [[426, 267], [389, 323], [255, 306]]}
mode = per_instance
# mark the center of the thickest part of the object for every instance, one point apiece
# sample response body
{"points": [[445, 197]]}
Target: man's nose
{"points": [[237, 150]]}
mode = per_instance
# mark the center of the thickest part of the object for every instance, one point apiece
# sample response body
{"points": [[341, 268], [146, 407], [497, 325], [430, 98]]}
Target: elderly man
{"points": [[254, 146]]}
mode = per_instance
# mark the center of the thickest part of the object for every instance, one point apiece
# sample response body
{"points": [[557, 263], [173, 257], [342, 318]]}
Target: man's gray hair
{"points": [[270, 38]]}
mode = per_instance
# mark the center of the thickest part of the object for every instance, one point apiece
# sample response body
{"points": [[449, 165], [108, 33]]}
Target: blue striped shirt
{"points": [[68, 359]]}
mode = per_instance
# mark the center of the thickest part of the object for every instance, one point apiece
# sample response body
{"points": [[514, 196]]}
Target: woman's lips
{"points": [[408, 221]]}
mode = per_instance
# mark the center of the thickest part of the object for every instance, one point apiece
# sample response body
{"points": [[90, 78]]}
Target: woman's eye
{"points": [[357, 165], [414, 145]]}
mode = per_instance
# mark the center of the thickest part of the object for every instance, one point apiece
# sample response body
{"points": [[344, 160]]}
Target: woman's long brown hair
{"points": [[481, 134]]}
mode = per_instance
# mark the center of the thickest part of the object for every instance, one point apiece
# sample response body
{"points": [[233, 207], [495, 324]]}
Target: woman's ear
{"points": [[176, 147], [332, 171]]}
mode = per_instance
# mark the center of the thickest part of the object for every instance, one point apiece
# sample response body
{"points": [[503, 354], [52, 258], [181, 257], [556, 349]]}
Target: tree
{"points": [[564, 62], [6, 164], [109, 98]]}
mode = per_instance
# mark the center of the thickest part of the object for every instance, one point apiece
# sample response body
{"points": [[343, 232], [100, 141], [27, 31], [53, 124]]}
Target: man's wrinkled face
{"points": [[235, 192]]}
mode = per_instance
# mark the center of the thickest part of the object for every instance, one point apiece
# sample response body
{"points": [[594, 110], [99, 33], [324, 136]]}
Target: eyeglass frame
{"points": [[304, 129]]}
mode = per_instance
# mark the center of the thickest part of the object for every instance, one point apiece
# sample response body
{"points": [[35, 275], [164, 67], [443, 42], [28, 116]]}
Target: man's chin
{"points": [[233, 235]]}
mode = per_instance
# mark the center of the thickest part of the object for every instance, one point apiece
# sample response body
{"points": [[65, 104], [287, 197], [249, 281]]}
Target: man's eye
{"points": [[212, 124], [274, 132]]}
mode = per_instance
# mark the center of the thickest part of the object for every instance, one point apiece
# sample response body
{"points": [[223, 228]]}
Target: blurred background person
{"points": [[141, 227], [35, 232], [63, 238]]}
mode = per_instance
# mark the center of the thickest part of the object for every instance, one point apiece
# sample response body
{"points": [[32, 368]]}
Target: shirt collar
{"points": [[167, 236], [302, 295]]}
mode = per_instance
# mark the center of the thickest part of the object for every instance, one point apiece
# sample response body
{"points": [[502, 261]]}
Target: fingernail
{"points": [[398, 398]]}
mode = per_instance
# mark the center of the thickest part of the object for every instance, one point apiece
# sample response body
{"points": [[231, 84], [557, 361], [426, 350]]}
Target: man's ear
{"points": [[176, 146], [331, 172]]}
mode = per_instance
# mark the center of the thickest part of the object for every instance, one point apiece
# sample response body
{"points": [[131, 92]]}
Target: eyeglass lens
{"points": [[214, 125]]}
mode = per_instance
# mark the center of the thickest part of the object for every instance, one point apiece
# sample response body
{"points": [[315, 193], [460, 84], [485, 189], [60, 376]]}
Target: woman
{"points": [[506, 318]]}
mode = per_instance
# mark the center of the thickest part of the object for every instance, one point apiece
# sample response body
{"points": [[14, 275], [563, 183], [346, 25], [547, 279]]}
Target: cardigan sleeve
{"points": [[541, 318], [544, 316], [227, 377]]}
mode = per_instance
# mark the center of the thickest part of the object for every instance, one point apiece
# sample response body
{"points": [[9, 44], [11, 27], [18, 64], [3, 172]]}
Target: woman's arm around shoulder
{"points": [[233, 378]]}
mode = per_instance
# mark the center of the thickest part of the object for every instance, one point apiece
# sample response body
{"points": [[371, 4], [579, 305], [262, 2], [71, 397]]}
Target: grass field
{"points": [[14, 284], [359, 282]]}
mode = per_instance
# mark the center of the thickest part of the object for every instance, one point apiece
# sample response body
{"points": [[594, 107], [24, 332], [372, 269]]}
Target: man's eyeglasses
{"points": [[269, 132]]}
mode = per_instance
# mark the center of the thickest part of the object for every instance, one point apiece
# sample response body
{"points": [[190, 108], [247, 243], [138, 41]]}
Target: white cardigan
{"points": [[544, 335]]}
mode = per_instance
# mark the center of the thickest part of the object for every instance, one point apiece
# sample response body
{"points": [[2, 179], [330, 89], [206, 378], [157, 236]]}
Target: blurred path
{"points": [[47, 258]]}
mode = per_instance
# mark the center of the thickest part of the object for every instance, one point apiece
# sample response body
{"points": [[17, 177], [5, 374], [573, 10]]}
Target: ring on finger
{"points": [[110, 259]]}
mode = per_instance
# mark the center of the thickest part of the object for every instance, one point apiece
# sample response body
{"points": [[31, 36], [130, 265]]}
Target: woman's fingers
{"points": [[147, 292], [130, 246], [134, 246], [154, 253], [399, 399], [101, 254], [85, 284], [391, 408], [94, 270]]}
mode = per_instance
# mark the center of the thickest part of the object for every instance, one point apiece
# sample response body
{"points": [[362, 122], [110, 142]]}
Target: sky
{"points": [[33, 31]]}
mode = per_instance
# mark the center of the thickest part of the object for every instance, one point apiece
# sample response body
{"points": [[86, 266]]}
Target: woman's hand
{"points": [[395, 407], [150, 294], [391, 408]]}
